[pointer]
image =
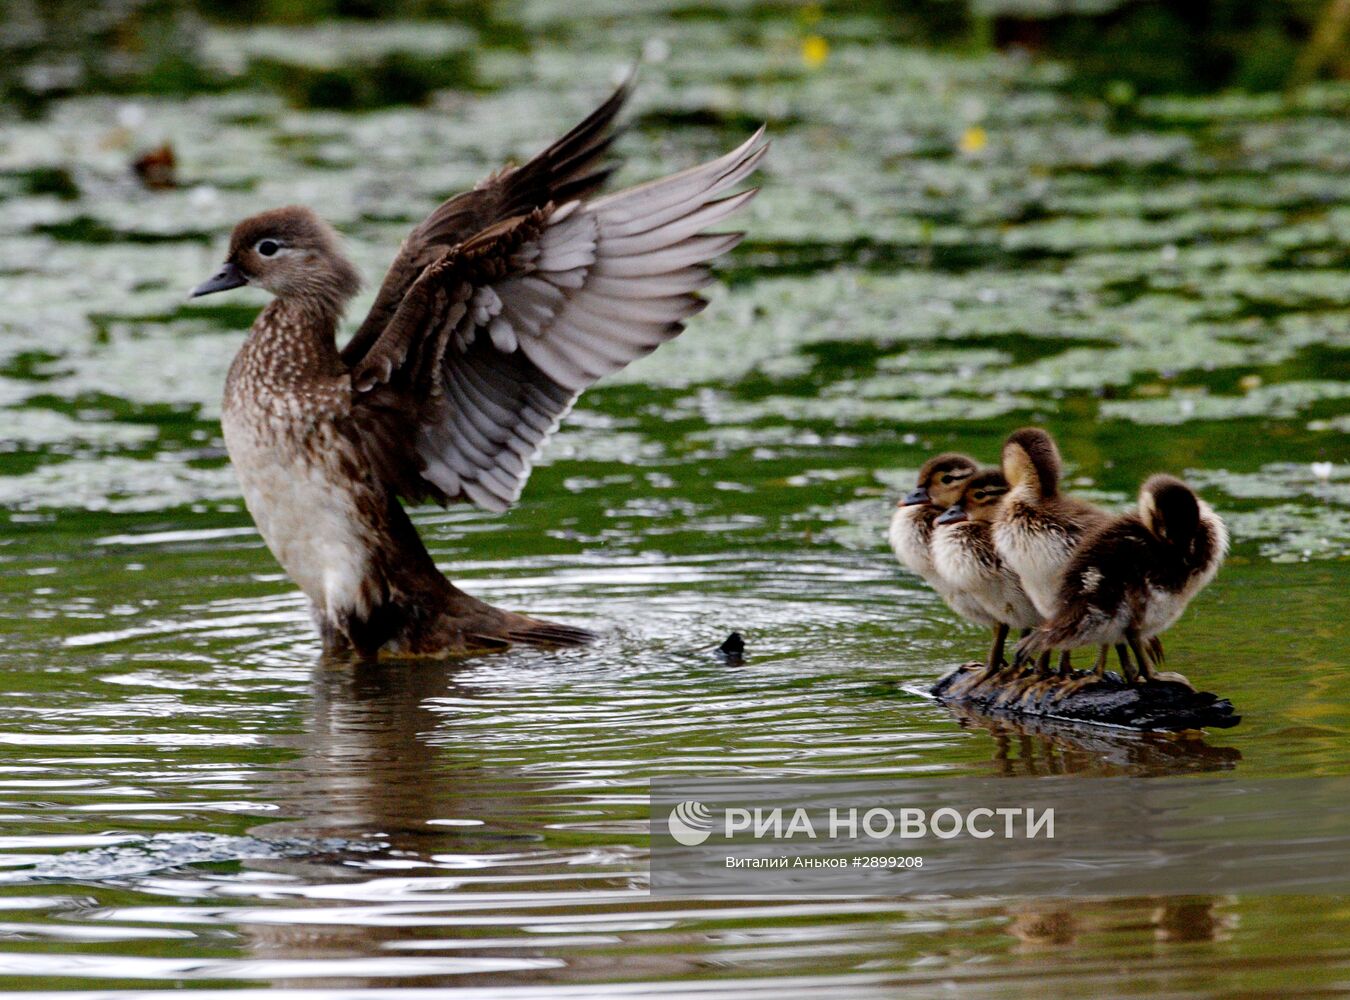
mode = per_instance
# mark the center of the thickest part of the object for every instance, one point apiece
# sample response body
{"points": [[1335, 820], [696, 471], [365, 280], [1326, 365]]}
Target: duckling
{"points": [[939, 486], [1134, 576], [964, 557], [940, 483], [1038, 527]]}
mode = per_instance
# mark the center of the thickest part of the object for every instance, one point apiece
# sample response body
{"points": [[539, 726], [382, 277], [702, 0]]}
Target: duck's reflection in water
{"points": [[429, 862], [1086, 924], [429, 867], [371, 771], [1040, 747]]}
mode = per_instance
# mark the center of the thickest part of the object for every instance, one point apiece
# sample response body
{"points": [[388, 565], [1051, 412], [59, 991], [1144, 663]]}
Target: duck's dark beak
{"points": [[952, 514], [915, 497], [229, 276]]}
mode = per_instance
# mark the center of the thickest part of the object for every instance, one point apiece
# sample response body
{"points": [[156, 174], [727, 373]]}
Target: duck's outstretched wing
{"points": [[573, 167], [494, 341]]}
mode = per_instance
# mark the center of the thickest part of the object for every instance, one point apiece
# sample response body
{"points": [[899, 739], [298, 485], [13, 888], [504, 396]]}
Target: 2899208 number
{"points": [[890, 861]]}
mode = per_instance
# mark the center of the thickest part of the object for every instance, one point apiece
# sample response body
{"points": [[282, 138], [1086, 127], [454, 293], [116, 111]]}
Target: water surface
{"points": [[945, 248]]}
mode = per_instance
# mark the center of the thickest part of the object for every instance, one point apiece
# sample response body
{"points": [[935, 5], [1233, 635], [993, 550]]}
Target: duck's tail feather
{"points": [[478, 622], [537, 632]]}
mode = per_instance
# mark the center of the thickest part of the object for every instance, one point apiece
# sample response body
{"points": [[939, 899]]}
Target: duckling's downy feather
{"points": [[965, 558], [1038, 527], [1036, 538], [913, 539], [1123, 577], [910, 534]]}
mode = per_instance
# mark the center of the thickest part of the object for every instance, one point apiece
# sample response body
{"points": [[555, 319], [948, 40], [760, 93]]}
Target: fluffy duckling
{"points": [[941, 481], [1038, 527], [965, 558], [1133, 577]]}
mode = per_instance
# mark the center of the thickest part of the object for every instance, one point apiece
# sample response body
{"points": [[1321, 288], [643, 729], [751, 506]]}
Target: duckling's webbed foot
{"points": [[1045, 688], [1085, 680], [1024, 684]]}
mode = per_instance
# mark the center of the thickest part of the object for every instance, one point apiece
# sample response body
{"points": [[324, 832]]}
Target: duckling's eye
{"points": [[948, 479], [267, 247]]}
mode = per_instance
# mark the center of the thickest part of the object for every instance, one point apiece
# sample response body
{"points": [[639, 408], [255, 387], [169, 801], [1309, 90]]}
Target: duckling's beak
{"points": [[952, 514], [915, 497], [229, 276]]}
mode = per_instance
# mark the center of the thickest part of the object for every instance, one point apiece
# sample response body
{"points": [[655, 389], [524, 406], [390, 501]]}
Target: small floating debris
{"points": [[157, 169], [733, 648], [1158, 706]]}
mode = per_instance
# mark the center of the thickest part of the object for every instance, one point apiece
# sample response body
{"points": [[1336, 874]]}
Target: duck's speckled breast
{"points": [[283, 431]]}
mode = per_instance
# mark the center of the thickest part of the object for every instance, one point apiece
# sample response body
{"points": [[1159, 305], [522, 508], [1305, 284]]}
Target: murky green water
{"points": [[945, 248]]}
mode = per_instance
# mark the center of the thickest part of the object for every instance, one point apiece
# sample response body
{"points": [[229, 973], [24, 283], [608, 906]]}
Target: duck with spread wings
{"points": [[500, 309]]}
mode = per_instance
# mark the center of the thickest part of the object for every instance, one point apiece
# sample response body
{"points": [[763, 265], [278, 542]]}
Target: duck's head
{"points": [[941, 480], [1170, 510], [293, 254], [1030, 458], [980, 499]]}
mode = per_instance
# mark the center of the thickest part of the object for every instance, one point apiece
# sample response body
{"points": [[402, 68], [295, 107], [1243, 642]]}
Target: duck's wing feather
{"points": [[494, 341], [574, 167]]}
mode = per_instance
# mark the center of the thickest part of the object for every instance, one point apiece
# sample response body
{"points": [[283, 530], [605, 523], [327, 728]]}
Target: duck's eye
{"points": [[980, 496], [268, 247], [947, 479]]}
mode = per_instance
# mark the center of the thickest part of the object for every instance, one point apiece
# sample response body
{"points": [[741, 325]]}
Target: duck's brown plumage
{"points": [[499, 310]]}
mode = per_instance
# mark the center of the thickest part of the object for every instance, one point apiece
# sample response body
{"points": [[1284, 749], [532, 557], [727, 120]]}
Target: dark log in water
{"points": [[1159, 706]]}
